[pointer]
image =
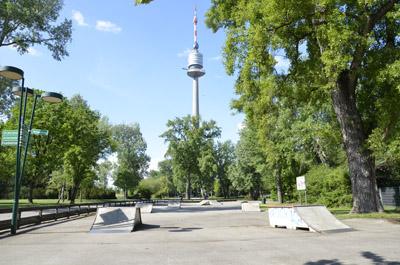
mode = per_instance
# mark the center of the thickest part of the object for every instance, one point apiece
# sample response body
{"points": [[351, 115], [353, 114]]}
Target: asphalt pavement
{"points": [[202, 235]]}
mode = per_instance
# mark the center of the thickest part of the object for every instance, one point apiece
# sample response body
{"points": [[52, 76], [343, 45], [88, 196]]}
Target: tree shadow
{"points": [[324, 262], [378, 260], [374, 258]]}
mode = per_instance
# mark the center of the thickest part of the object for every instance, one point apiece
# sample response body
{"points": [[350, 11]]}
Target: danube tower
{"points": [[195, 69]]}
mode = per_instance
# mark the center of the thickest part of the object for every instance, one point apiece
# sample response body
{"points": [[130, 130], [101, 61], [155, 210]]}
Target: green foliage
{"points": [[329, 186], [28, 23], [190, 146], [132, 159], [6, 97], [225, 158], [150, 187], [88, 142], [322, 41], [246, 174]]}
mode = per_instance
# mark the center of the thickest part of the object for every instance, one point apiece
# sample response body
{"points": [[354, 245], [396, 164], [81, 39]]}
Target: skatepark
{"points": [[195, 234]]}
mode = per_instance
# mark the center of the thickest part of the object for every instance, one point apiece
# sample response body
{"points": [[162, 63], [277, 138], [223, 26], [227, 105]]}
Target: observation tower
{"points": [[195, 68]]}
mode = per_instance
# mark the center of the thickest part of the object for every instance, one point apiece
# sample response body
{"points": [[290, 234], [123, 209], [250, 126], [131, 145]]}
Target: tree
{"points": [[186, 140], [104, 172], [334, 48], [166, 173], [6, 97], [45, 153], [225, 157], [245, 174], [24, 24], [88, 142], [132, 159]]}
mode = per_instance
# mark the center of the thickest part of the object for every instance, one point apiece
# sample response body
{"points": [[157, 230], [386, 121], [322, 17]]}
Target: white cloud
{"points": [[107, 26], [79, 18], [184, 53]]}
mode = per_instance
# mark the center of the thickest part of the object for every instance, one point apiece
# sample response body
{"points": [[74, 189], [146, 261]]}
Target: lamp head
{"points": [[11, 72], [17, 91], [52, 97]]}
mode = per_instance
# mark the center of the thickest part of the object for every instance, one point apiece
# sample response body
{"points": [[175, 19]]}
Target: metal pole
{"points": [[305, 195], [28, 137], [14, 221]]}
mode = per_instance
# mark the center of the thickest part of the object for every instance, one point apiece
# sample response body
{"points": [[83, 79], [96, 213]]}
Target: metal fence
{"points": [[390, 196], [38, 214]]}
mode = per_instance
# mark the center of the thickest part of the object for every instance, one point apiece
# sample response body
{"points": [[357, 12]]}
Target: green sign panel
{"points": [[10, 138], [40, 132], [10, 133]]}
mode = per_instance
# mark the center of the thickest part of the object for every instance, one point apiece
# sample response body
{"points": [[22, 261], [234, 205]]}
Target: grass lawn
{"points": [[43, 202], [390, 213]]}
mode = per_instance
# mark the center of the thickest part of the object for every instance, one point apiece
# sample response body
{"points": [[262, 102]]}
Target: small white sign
{"points": [[301, 183]]}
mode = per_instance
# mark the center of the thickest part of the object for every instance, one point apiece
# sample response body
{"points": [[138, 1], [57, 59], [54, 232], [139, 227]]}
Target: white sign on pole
{"points": [[301, 183]]}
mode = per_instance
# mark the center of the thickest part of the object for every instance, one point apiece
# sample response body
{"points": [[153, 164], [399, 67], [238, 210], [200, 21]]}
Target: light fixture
{"points": [[52, 97], [17, 91], [11, 72]]}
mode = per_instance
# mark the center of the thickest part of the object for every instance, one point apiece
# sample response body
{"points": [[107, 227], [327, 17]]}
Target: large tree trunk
{"points": [[188, 188], [30, 194], [74, 192], [360, 160]]}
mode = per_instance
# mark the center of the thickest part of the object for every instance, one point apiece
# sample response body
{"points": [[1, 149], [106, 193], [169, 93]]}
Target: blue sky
{"points": [[126, 61]]}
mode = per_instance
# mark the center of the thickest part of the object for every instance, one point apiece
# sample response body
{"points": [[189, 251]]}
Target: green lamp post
{"points": [[23, 92]]}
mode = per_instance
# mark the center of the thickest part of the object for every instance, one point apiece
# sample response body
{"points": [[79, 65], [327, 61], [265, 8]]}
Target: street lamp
{"points": [[14, 73]]}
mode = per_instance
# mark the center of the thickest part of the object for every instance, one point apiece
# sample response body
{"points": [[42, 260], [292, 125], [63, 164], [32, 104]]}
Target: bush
{"points": [[99, 194], [151, 188], [329, 186]]}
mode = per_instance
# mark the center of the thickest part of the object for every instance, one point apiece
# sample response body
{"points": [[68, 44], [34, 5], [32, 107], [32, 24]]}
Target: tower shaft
{"points": [[195, 98]]}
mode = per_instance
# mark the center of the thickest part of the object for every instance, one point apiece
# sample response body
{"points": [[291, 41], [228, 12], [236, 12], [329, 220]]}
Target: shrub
{"points": [[329, 186]]}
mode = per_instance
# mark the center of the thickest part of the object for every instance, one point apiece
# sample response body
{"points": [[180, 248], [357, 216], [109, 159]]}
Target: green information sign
{"points": [[10, 138], [40, 132]]}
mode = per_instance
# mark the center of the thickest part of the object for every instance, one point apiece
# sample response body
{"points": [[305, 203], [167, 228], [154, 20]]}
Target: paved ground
{"points": [[194, 235]]}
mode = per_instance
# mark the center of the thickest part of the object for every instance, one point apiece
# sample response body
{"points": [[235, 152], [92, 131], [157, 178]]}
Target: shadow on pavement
{"points": [[33, 227], [147, 227], [374, 259], [378, 260], [184, 229]]}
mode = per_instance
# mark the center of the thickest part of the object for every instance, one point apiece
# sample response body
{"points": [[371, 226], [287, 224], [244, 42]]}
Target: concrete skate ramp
{"points": [[145, 207], [210, 202], [320, 219], [204, 202], [314, 218], [251, 207], [116, 220], [174, 204]]}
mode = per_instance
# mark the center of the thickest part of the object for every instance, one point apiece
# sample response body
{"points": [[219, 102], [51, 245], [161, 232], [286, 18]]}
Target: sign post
{"points": [[301, 185]]}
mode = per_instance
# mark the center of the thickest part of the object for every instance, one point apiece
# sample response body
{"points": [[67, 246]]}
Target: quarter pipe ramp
{"points": [[314, 218], [116, 220]]}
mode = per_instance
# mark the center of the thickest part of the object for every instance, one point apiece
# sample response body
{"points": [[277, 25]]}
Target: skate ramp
{"points": [[314, 218], [251, 207], [145, 207], [116, 220], [174, 204], [209, 202]]}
